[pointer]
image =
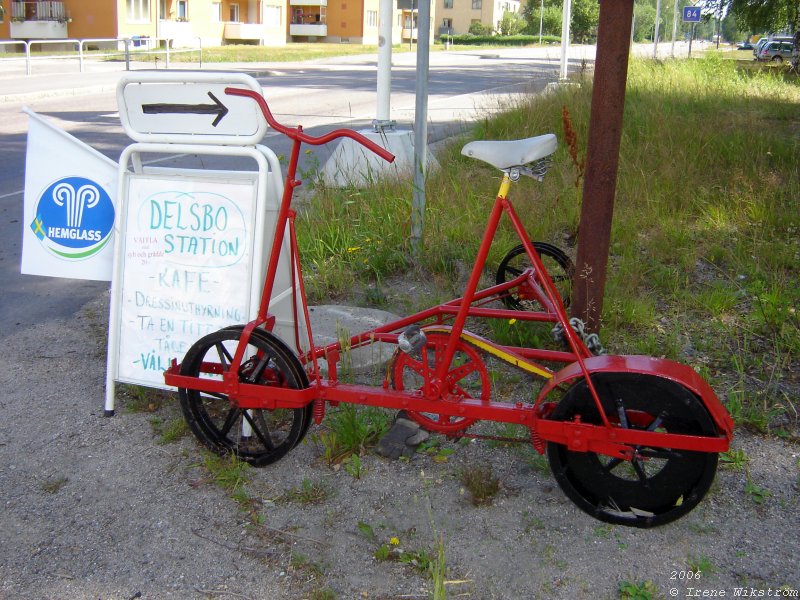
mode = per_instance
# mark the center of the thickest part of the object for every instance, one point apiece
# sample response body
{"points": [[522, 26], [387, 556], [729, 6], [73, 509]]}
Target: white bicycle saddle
{"points": [[515, 153]]}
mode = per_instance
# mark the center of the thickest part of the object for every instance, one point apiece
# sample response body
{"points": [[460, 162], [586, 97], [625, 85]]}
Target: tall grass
{"points": [[706, 233]]}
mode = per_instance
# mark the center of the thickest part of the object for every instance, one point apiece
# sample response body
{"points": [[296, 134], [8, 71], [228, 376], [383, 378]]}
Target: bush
{"points": [[500, 40], [478, 28]]}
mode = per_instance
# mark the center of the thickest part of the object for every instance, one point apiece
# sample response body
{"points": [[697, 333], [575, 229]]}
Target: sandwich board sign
{"points": [[190, 253]]}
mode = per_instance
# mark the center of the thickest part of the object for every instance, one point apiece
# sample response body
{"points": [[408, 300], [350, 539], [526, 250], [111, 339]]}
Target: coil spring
{"points": [[319, 410], [537, 441]]}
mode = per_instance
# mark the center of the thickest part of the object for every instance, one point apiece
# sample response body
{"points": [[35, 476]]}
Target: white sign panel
{"points": [[69, 200], [190, 108], [187, 256]]}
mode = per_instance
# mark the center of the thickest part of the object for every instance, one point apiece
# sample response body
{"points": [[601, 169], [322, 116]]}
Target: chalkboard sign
{"points": [[188, 252]]}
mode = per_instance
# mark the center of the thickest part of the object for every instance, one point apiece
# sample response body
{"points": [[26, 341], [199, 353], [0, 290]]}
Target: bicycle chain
{"points": [[592, 340]]}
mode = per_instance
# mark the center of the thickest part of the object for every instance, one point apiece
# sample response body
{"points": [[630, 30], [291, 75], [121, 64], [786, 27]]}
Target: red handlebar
{"points": [[297, 133]]}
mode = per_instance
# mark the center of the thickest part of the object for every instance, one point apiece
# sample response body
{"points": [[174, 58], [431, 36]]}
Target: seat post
{"points": [[474, 278]]}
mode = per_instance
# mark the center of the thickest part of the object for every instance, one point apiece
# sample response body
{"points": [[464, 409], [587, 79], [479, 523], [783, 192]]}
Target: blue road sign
{"points": [[691, 14]]}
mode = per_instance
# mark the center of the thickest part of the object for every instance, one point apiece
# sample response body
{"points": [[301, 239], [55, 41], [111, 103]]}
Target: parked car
{"points": [[744, 46], [759, 44], [775, 51]]}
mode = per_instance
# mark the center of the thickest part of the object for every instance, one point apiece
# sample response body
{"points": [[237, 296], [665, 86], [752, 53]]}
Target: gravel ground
{"points": [[96, 507]]}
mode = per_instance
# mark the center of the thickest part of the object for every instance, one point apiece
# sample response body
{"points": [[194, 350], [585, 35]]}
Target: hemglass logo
{"points": [[74, 218]]}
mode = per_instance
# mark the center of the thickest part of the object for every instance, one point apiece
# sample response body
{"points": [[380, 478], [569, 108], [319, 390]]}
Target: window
{"points": [[476, 4], [216, 12], [372, 18], [448, 3], [234, 13], [183, 14], [138, 10], [447, 24]]}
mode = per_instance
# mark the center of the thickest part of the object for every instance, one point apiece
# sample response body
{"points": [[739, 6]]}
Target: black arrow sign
{"points": [[218, 108]]}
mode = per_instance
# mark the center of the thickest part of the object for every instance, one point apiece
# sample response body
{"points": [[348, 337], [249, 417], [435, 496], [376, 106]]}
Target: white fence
{"points": [[127, 50]]}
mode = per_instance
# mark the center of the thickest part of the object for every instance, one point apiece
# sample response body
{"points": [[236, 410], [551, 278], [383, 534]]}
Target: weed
{"points": [[353, 466], [382, 553], [701, 564], [300, 562], [309, 492], [736, 460], [533, 523], [437, 570], [603, 531], [629, 590], [366, 530], [173, 431], [324, 593], [481, 484], [757, 494], [139, 399], [538, 462], [51, 486], [228, 472], [420, 560], [351, 430]]}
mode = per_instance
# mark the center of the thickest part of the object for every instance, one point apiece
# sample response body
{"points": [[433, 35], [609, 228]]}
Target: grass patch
{"points": [[481, 483], [350, 430], [705, 247], [308, 492], [52, 486]]}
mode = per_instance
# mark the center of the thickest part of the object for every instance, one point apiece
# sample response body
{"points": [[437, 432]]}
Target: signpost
{"points": [[691, 14]]}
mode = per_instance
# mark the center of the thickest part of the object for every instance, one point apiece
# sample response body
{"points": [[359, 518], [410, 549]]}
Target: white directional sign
{"points": [[189, 107]]}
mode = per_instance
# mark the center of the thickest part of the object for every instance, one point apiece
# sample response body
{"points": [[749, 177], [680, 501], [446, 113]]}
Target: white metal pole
{"points": [[541, 21], [421, 124], [384, 63], [655, 33], [565, 19], [674, 29]]}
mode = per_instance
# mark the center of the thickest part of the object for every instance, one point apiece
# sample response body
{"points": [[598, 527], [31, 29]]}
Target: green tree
{"points": [[510, 24], [763, 15], [551, 24], [645, 21], [585, 14]]}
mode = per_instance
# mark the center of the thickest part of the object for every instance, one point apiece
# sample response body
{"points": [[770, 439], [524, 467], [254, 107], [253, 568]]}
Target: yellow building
{"points": [[455, 16], [212, 22]]}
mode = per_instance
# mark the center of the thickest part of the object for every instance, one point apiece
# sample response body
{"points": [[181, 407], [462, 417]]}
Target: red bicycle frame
{"points": [[450, 319]]}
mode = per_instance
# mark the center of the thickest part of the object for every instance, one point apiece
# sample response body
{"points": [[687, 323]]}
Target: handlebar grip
{"points": [[356, 137], [297, 133]]}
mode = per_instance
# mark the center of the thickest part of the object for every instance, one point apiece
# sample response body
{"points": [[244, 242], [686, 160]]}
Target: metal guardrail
{"points": [[130, 47]]}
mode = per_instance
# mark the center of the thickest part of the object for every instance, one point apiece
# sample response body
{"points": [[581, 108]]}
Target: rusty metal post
{"points": [[602, 159]]}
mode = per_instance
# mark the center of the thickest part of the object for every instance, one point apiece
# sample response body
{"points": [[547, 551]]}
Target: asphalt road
{"points": [[320, 96]]}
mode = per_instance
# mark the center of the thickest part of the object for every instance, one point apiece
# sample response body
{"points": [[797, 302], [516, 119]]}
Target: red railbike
{"points": [[632, 440]]}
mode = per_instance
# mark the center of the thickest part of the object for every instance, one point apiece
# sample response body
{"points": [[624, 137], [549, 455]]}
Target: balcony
{"points": [[308, 29], [309, 18], [44, 20]]}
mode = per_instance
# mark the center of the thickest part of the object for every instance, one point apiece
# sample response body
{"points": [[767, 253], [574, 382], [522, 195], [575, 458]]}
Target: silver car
{"points": [[775, 51]]}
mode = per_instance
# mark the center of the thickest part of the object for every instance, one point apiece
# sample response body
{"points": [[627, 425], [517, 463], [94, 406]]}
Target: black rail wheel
{"points": [[555, 260], [658, 485], [258, 437]]}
